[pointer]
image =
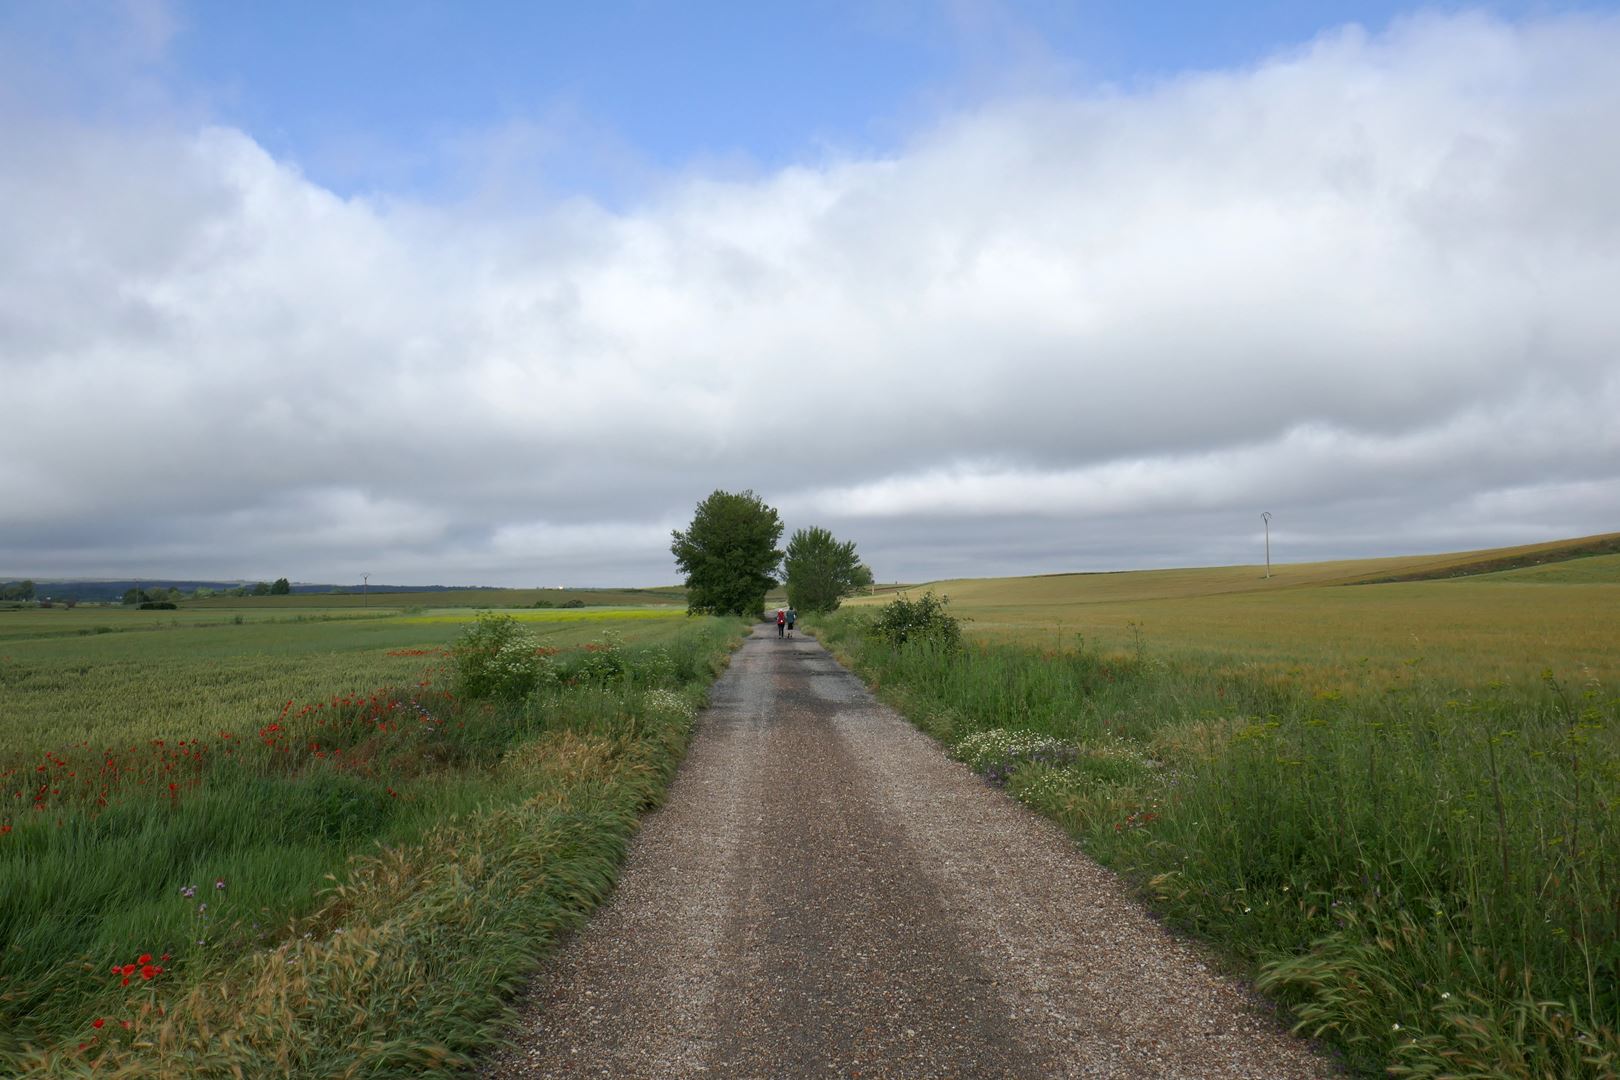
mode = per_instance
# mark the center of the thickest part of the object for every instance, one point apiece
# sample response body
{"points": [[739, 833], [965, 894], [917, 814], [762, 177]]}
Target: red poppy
{"points": [[144, 958], [129, 969], [97, 1022], [148, 971]]}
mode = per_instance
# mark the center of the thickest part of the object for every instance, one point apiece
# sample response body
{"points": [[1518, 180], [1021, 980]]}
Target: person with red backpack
{"points": [[781, 622]]}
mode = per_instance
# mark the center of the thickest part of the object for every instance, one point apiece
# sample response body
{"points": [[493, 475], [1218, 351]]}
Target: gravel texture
{"points": [[825, 893]]}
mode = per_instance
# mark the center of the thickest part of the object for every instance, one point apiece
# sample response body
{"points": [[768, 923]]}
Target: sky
{"points": [[485, 293]]}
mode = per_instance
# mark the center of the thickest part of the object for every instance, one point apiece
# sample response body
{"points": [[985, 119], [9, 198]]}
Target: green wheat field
{"points": [[274, 838]]}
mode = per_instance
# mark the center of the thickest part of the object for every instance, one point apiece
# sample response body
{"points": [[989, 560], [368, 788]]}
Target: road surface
{"points": [[826, 894]]}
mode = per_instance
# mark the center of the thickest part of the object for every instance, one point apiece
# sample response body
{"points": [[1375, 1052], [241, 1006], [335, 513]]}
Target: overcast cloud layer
{"points": [[1369, 286]]}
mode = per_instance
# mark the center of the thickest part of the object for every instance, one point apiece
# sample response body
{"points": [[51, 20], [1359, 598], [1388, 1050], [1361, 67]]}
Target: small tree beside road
{"points": [[729, 554], [821, 571]]}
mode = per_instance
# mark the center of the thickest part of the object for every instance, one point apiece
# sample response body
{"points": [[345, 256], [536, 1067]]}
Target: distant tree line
{"points": [[158, 594], [17, 590]]}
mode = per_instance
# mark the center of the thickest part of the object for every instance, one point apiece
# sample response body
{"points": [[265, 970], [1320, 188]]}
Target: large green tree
{"points": [[729, 554], [821, 571]]}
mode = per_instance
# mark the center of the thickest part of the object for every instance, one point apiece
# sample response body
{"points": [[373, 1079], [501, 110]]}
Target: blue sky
{"points": [[675, 82], [603, 99], [496, 293]]}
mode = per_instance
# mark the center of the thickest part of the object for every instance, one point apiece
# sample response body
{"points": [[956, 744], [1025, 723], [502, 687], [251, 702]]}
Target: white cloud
{"points": [[1376, 271]]}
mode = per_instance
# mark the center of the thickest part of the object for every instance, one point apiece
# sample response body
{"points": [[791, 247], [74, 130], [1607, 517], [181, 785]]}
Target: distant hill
{"points": [[451, 597], [359, 587], [112, 590], [1135, 586], [1498, 560]]}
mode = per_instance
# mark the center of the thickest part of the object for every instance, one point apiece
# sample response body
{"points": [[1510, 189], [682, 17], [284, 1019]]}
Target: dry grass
{"points": [[1315, 618], [1422, 870]]}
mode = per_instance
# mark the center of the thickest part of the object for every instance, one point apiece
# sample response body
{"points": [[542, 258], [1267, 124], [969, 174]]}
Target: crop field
{"points": [[668, 595], [72, 675], [202, 811], [1395, 804], [558, 619], [1319, 621]]}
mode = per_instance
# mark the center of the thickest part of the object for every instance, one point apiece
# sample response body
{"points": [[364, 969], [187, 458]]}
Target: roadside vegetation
{"points": [[1422, 867], [348, 882]]}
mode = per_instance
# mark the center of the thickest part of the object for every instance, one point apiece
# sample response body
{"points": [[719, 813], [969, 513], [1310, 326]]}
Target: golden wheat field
{"points": [[1470, 618]]}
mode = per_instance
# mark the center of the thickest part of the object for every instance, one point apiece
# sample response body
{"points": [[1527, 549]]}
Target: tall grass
{"points": [[351, 888], [1427, 876]]}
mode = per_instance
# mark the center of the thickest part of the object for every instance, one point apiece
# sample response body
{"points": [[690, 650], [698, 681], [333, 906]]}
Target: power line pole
{"points": [[1266, 517], [365, 590]]}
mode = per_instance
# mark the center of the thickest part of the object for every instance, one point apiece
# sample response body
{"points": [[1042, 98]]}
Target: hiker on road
{"points": [[781, 622], [792, 617]]}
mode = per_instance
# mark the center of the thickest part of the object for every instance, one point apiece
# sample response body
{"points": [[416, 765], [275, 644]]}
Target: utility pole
{"points": [[1266, 517], [365, 590]]}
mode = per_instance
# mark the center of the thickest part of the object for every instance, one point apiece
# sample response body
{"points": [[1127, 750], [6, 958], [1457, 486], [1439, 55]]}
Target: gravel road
{"points": [[825, 893]]}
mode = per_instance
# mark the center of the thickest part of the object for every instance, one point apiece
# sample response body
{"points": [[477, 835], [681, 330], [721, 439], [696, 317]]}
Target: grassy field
{"points": [[1397, 805], [287, 844]]}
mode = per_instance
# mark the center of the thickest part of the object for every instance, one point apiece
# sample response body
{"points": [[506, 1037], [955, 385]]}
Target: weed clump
{"points": [[903, 621], [496, 659], [997, 753], [604, 661]]}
